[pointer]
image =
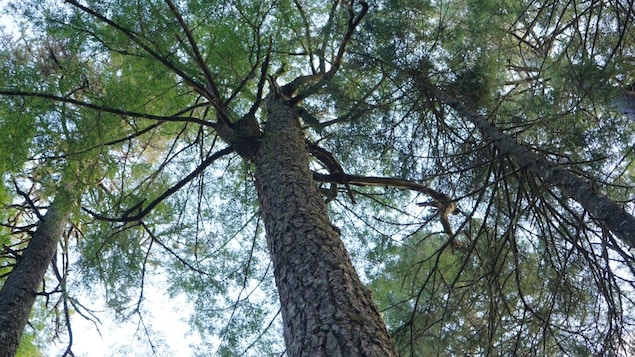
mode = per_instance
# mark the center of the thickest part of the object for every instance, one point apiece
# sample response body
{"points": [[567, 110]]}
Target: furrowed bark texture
{"points": [[19, 290], [601, 207], [326, 310]]}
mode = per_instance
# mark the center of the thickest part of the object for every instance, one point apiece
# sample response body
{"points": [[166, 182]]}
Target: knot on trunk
{"points": [[243, 135]]}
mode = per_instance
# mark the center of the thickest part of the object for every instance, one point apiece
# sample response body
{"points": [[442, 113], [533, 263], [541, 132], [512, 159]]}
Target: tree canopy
{"points": [[476, 158]]}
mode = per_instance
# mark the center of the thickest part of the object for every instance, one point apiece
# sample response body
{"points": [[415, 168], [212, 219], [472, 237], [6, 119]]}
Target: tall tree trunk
{"points": [[18, 293], [326, 310], [601, 207]]}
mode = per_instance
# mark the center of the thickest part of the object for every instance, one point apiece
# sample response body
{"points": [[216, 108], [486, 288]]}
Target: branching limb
{"points": [[359, 180], [445, 206], [28, 200], [126, 217], [198, 58], [256, 48], [304, 86], [261, 81], [154, 238], [325, 36], [307, 34], [134, 37], [215, 98]]}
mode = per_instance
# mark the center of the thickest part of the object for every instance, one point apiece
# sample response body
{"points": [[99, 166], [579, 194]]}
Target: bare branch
{"points": [[261, 82], [358, 180], [144, 211], [172, 252], [307, 34], [80, 103], [28, 200]]}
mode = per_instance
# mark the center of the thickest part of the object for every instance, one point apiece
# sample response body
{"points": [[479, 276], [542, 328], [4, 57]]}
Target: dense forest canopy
{"points": [[475, 158]]}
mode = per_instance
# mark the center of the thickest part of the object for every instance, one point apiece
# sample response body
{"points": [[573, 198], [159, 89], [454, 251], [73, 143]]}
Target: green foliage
{"points": [[15, 142], [28, 348], [114, 256], [440, 301], [17, 116]]}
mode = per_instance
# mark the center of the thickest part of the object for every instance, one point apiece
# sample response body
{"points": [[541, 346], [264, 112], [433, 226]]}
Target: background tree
{"points": [[54, 151], [391, 101], [559, 104]]}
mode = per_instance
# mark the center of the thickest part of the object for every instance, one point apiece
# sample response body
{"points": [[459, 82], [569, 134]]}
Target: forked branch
{"points": [[196, 53], [134, 37], [304, 86], [332, 165]]}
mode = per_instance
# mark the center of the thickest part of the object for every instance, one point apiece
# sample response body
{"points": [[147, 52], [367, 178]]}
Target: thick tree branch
{"points": [[358, 180], [331, 164], [441, 201]]}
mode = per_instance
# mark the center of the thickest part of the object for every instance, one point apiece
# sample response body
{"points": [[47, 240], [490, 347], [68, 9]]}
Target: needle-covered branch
{"points": [[134, 37], [198, 58]]}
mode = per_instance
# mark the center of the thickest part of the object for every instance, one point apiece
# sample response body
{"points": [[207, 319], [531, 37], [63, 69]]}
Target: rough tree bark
{"points": [[18, 293], [326, 310], [601, 207]]}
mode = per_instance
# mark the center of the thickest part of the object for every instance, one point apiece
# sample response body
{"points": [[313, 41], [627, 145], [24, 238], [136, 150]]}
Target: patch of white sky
{"points": [[164, 317]]}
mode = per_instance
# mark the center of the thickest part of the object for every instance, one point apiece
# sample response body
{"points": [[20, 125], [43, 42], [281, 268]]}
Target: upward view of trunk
{"points": [[601, 207], [326, 310], [18, 293]]}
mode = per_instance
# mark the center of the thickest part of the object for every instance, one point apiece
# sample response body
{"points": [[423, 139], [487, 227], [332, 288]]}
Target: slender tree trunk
{"points": [[601, 207], [18, 293], [326, 309], [626, 103]]}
